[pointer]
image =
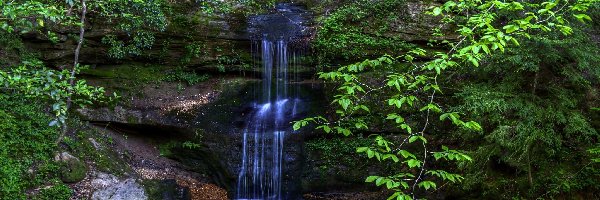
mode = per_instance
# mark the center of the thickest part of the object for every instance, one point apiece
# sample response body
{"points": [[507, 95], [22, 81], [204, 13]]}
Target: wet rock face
{"points": [[212, 31], [286, 20], [218, 35], [221, 114]]}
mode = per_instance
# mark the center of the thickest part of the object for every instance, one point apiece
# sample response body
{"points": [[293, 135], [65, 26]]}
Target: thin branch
{"points": [[74, 69]]}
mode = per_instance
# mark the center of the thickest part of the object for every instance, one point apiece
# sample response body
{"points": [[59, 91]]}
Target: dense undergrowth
{"points": [[535, 103], [27, 144]]}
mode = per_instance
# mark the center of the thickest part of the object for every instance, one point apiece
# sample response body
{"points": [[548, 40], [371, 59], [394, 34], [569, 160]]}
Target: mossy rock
{"points": [[72, 171], [165, 190]]}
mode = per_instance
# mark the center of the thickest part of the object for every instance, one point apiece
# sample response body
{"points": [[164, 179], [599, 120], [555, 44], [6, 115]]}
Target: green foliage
{"points": [[595, 152], [194, 50], [138, 20], [245, 7], [13, 50], [165, 149], [337, 152], [180, 75], [52, 86], [230, 60], [360, 29], [26, 143], [25, 16], [412, 89], [535, 115], [350, 101], [56, 192], [190, 145]]}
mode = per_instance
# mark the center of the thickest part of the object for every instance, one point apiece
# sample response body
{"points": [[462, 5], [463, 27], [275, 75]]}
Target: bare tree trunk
{"points": [[529, 172], [530, 146], [65, 127]]}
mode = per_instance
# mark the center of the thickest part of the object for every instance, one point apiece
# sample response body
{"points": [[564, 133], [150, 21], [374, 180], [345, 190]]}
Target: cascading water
{"points": [[275, 35]]}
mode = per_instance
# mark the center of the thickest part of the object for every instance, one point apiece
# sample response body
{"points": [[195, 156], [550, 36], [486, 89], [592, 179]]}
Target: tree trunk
{"points": [[65, 127]]}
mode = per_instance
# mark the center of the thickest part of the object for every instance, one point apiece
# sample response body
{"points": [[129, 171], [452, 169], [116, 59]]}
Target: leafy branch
{"points": [[479, 38]]}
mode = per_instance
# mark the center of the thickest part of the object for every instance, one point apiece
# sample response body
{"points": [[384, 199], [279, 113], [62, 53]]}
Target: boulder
{"points": [[72, 170], [111, 188]]}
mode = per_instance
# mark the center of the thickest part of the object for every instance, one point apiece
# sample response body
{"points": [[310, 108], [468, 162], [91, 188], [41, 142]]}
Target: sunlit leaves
{"points": [[431, 107], [18, 15], [595, 153], [582, 17], [412, 163], [450, 154], [306, 121], [406, 154], [445, 175], [409, 84], [417, 137], [398, 119], [427, 185], [53, 86]]}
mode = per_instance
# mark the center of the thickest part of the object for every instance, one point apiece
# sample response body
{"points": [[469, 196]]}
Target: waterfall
{"points": [[275, 39], [263, 138]]}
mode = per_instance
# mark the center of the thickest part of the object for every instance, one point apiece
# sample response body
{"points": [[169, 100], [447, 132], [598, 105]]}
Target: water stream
{"points": [[275, 37]]}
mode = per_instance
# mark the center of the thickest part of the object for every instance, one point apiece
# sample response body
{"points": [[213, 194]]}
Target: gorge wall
{"points": [[159, 98]]}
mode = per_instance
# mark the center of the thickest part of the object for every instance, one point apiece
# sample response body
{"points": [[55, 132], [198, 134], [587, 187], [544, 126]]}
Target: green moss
{"points": [[163, 189], [153, 189], [144, 73], [26, 147], [56, 192], [13, 50], [110, 162], [72, 171], [359, 30], [104, 158], [132, 119], [165, 149]]}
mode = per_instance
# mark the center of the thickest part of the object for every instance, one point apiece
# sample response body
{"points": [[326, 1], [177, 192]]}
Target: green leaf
{"points": [[437, 11], [296, 125], [413, 139], [407, 128], [326, 129], [53, 123], [371, 179], [406, 154], [476, 49], [413, 163], [389, 185], [55, 106], [582, 17], [396, 194], [392, 156], [40, 22], [404, 184], [511, 28], [427, 185], [345, 103], [361, 149], [485, 49], [380, 181]]}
